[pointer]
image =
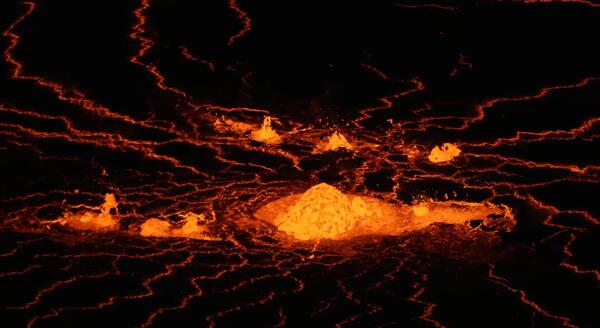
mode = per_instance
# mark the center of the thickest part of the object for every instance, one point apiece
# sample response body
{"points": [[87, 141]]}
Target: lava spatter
{"points": [[266, 134], [194, 226], [105, 218], [334, 142], [100, 219]]}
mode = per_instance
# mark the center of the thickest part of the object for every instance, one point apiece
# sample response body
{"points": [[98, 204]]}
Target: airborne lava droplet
{"points": [[445, 153], [324, 212]]}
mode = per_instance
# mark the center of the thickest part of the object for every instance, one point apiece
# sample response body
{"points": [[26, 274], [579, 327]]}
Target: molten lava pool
{"points": [[237, 163], [323, 212]]}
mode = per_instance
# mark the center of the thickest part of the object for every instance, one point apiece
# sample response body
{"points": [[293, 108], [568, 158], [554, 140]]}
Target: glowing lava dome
{"points": [[324, 212]]}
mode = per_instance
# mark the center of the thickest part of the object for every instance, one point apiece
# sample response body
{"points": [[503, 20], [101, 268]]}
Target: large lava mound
{"points": [[324, 212]]}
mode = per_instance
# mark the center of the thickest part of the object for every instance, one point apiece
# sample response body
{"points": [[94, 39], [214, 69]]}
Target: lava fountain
{"points": [[334, 142], [99, 219], [324, 212], [266, 134]]}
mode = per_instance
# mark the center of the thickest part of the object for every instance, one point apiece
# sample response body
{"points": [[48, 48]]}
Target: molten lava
{"points": [[94, 220], [445, 153], [228, 125], [194, 227], [324, 212], [334, 142], [266, 134]]}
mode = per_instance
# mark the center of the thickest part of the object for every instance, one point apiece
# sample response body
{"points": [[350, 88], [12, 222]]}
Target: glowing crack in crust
{"points": [[444, 153], [334, 142], [324, 212], [101, 220]]}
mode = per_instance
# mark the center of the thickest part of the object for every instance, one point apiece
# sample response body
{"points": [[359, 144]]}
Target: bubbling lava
{"points": [[266, 134], [194, 227], [324, 212], [100, 219], [334, 142], [229, 125], [444, 153]]}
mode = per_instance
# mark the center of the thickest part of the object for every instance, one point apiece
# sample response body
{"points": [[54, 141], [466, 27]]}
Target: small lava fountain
{"points": [[334, 142], [103, 219], [266, 134], [94, 220], [324, 212]]}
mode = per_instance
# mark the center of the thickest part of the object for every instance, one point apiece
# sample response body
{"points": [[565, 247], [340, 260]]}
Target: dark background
{"points": [[88, 113]]}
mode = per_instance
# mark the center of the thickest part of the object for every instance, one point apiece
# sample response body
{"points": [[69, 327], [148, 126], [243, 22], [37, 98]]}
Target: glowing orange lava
{"points": [[228, 125], [324, 212], [334, 142], [92, 220], [194, 227], [266, 134], [445, 153]]}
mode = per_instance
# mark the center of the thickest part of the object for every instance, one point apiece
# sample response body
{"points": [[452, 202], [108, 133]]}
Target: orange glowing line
{"points": [[584, 2], [526, 300], [138, 30], [70, 95], [14, 40], [481, 108], [145, 45], [103, 139], [426, 5], [573, 267], [387, 100], [185, 52], [462, 63], [246, 21], [376, 71], [429, 307], [572, 237], [526, 136]]}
